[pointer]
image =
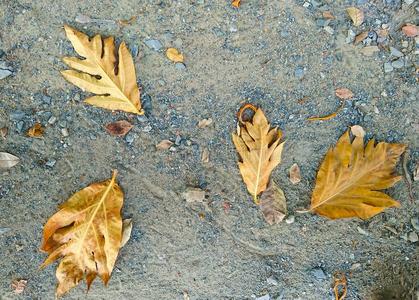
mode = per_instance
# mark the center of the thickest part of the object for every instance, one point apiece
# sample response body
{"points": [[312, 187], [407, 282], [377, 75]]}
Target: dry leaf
{"points": [[119, 128], [174, 55], [350, 177], [356, 15], [328, 117], [127, 22], [126, 231], [369, 50], [19, 285], [36, 131], [86, 235], [205, 155], [328, 15], [295, 175], [410, 30], [260, 151], [164, 145], [339, 285], [358, 131], [360, 37], [344, 93], [236, 3], [113, 81], [273, 204], [204, 123], [194, 195], [3, 132], [8, 160]]}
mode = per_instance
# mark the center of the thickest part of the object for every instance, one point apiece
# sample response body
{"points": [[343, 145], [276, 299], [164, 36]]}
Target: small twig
{"points": [[407, 178]]}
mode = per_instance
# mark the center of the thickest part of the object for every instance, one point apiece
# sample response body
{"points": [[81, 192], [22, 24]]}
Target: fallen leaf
{"points": [[339, 285], [86, 235], [273, 204], [119, 128], [100, 72], [174, 55], [383, 32], [19, 285], [328, 15], [192, 195], [329, 116], [8, 160], [205, 155], [186, 295], [356, 15], [358, 131], [236, 3], [260, 150], [344, 93], [295, 175], [3, 132], [126, 231], [164, 145], [350, 177], [360, 37], [36, 131], [127, 22], [410, 30], [204, 123], [369, 50]]}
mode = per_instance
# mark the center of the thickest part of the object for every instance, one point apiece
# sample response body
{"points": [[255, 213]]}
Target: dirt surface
{"points": [[280, 55]]}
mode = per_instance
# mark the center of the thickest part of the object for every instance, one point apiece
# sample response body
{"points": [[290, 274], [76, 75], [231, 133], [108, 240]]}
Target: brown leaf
{"points": [[358, 131], [86, 235], [328, 15], [127, 22], [339, 285], [36, 131], [204, 123], [344, 93], [174, 55], [119, 128], [126, 231], [360, 37], [19, 285], [273, 204], [369, 50], [260, 151], [8, 160], [205, 155], [96, 73], [295, 175], [192, 195], [350, 177], [164, 145], [3, 132], [410, 30], [236, 3], [356, 15], [328, 117]]}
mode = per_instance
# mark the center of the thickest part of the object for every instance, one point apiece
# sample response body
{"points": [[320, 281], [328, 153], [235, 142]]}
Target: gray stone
{"points": [[19, 126], [17, 115], [46, 99], [318, 273], [272, 281], [398, 64], [412, 237], [299, 72], [388, 67], [129, 138], [180, 66], [50, 163], [415, 223], [4, 230], [264, 297], [147, 128], [395, 52], [156, 45], [5, 73]]}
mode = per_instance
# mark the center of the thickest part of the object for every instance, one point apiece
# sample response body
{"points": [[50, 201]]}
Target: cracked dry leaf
{"points": [[351, 175], [111, 78], [273, 204], [174, 55], [8, 160], [36, 131], [259, 148], [119, 128], [236, 3], [356, 15], [86, 235]]}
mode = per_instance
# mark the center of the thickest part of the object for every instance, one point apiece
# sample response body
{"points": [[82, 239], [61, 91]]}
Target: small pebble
{"points": [[318, 273], [264, 297], [329, 29], [147, 128], [156, 45], [142, 119], [50, 163], [350, 37], [178, 140], [272, 281], [415, 223], [395, 52], [290, 219], [180, 66], [52, 120], [398, 64], [129, 138], [388, 67], [64, 132], [17, 115], [299, 72], [355, 266], [5, 73], [46, 99], [19, 126], [4, 230], [361, 231], [412, 237]]}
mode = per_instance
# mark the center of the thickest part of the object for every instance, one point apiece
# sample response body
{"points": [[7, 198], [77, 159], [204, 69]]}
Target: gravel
{"points": [[156, 45]]}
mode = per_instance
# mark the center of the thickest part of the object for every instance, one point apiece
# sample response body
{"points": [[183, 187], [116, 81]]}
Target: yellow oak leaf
{"points": [[100, 72], [351, 175], [86, 235], [259, 148]]}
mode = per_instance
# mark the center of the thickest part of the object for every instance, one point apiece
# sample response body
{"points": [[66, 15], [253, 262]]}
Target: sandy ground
{"points": [[281, 55]]}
